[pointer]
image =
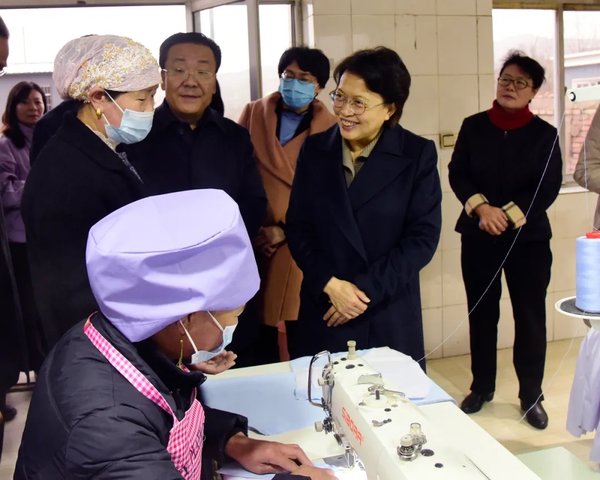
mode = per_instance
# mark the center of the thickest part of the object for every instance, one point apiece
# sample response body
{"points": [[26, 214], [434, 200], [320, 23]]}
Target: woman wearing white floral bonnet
{"points": [[79, 177], [115, 399]]}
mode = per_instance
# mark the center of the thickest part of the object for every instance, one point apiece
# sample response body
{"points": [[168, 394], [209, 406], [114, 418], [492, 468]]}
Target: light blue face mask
{"points": [[296, 94], [200, 356], [134, 127]]}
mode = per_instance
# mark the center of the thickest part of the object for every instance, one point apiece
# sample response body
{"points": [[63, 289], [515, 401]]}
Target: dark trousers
{"points": [[527, 272], [33, 344]]}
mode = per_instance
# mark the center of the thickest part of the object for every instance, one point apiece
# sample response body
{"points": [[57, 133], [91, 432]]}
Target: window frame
{"points": [[559, 7], [255, 71]]}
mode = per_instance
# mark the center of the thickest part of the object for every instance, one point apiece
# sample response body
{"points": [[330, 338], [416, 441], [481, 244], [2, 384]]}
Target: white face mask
{"points": [[134, 127], [200, 356]]}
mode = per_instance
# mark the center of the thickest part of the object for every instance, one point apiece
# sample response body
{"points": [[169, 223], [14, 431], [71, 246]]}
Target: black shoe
{"points": [[8, 412], [536, 415], [474, 401]]}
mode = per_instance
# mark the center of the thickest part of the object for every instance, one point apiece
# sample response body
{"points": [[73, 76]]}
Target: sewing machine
{"points": [[382, 432], [268, 396]]}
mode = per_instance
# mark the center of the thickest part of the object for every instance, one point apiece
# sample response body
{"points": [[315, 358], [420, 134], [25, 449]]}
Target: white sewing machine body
{"points": [[392, 438]]}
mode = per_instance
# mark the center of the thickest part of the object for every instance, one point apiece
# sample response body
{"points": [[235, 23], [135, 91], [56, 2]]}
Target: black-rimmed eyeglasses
{"points": [[183, 74], [519, 83]]}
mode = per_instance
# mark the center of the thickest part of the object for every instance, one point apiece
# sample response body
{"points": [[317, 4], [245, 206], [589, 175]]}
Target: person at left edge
{"points": [[191, 145], [78, 177], [24, 108], [9, 301], [115, 398]]}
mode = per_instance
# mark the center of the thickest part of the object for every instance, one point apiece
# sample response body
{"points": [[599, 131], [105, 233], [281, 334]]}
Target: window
{"points": [[237, 69], [218, 23], [581, 69], [48, 94], [534, 31]]}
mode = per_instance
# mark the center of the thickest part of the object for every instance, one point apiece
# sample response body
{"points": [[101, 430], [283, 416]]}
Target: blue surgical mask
{"points": [[296, 94], [134, 127], [200, 356]]}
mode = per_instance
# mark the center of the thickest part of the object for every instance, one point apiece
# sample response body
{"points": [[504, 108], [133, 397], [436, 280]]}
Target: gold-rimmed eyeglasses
{"points": [[357, 107], [519, 83], [303, 77], [178, 73]]}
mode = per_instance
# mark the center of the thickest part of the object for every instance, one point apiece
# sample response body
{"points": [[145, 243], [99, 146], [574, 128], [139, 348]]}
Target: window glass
{"points": [[582, 69], [275, 38], [37, 34], [532, 32], [218, 23], [234, 74]]}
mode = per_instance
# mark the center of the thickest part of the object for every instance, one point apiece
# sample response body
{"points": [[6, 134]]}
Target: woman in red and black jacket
{"points": [[506, 170]]}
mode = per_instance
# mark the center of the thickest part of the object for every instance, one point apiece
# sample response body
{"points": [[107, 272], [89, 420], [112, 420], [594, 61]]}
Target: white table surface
{"points": [[488, 454]]}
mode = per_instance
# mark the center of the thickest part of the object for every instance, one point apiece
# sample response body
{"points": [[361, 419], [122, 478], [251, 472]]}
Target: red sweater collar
{"points": [[509, 121]]}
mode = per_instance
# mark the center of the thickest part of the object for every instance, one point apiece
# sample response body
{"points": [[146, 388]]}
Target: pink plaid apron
{"points": [[186, 436]]}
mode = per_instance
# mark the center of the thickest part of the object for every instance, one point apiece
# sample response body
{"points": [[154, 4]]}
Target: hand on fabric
{"points": [[315, 473], [218, 364], [492, 220], [269, 239], [349, 300], [335, 318], [261, 456]]}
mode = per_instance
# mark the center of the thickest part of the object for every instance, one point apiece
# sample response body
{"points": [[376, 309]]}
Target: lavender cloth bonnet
{"points": [[107, 61], [155, 260]]}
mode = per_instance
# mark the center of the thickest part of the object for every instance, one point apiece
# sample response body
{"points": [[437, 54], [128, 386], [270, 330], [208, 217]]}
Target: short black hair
{"points": [[3, 29], [188, 37], [310, 60], [19, 93], [384, 73], [529, 66]]}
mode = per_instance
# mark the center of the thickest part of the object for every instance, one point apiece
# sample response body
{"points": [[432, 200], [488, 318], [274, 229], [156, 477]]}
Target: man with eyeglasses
{"points": [[278, 125], [191, 145]]}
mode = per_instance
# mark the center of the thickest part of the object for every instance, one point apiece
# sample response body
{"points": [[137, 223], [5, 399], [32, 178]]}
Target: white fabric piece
{"points": [[400, 372]]}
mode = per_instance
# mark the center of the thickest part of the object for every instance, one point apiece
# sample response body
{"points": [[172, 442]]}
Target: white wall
{"points": [[447, 47]]}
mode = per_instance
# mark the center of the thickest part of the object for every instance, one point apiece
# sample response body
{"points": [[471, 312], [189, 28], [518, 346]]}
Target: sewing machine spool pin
{"points": [[411, 443]]}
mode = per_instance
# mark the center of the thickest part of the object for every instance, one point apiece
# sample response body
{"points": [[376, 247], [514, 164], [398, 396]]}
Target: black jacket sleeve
{"points": [[219, 427]]}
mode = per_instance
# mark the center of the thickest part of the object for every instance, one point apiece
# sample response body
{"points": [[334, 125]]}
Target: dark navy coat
{"points": [[378, 234]]}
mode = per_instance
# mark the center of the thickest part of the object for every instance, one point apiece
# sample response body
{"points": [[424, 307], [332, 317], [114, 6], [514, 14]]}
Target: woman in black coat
{"points": [[364, 216], [78, 177], [506, 170]]}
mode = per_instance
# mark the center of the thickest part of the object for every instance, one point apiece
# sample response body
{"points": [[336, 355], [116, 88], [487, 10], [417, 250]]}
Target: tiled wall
{"points": [[447, 47]]}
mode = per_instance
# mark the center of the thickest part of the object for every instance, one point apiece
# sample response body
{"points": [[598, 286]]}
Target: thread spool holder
{"points": [[567, 307]]}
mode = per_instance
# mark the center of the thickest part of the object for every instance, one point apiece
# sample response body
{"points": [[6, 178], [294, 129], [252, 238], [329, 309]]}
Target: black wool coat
{"points": [[216, 154], [76, 181], [378, 234]]}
